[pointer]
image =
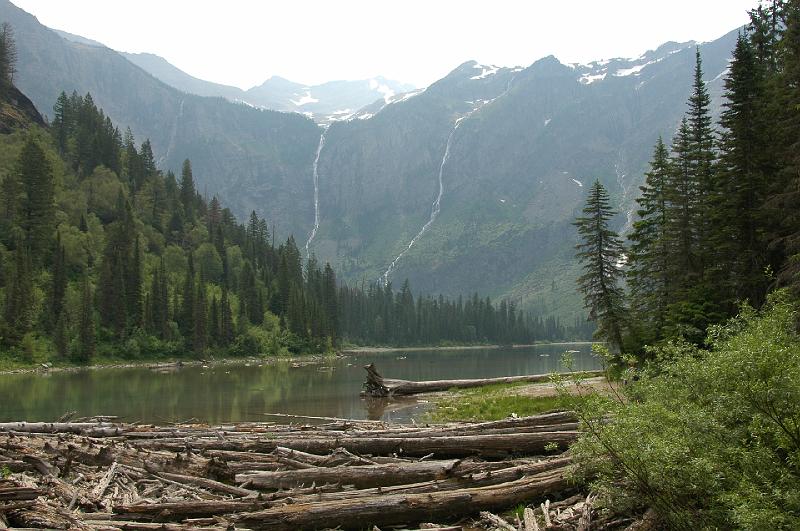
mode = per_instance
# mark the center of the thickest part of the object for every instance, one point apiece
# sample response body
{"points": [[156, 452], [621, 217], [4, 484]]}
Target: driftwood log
{"points": [[378, 386], [345, 473]]}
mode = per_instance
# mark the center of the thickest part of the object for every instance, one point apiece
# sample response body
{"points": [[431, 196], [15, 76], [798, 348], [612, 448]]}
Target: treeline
{"points": [[718, 221], [375, 315]]}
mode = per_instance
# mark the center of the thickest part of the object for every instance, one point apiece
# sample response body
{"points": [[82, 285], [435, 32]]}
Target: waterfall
{"points": [[435, 208], [316, 192], [437, 204]]}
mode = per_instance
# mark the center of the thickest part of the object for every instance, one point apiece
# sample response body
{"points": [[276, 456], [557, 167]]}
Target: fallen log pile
{"points": [[378, 386], [345, 474]]}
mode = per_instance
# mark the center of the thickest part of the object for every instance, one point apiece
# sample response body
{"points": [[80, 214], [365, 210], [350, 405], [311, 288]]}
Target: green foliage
{"points": [[708, 438], [491, 402]]}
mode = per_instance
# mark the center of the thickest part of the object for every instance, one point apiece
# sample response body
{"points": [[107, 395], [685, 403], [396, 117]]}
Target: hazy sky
{"points": [[240, 42]]}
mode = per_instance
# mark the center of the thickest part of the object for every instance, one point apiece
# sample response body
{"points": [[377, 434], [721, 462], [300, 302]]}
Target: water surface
{"points": [[245, 392]]}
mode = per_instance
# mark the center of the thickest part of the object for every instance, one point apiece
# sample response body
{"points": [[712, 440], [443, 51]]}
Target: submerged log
{"points": [[378, 386]]}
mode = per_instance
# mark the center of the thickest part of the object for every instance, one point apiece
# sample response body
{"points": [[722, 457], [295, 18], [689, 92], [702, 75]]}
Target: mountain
{"points": [[513, 152], [164, 71], [468, 185], [325, 102], [253, 159]]}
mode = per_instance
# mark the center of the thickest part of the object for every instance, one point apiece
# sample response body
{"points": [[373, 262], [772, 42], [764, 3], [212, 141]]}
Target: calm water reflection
{"points": [[229, 393]]}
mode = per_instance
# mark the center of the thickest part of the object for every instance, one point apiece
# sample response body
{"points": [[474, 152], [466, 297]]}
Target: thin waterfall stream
{"points": [[437, 203], [316, 192]]}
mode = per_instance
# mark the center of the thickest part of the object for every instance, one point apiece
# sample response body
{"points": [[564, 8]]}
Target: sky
{"points": [[242, 43]]}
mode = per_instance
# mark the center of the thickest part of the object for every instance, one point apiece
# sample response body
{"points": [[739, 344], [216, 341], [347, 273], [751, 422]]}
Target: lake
{"points": [[246, 391]]}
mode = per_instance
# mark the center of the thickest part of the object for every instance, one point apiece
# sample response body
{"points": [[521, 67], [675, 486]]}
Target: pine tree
{"points": [[8, 59], [330, 302], [784, 201], [600, 252], [743, 166], [86, 332], [187, 190], [60, 338], [649, 252], [19, 311], [188, 308], [701, 159], [133, 284], [61, 123], [226, 319], [200, 325], [36, 179], [58, 284]]}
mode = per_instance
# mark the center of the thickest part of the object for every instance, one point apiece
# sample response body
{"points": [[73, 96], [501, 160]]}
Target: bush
{"points": [[710, 439]]}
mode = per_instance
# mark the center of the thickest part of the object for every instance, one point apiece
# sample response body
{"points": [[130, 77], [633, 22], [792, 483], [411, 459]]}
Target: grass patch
{"points": [[491, 402]]}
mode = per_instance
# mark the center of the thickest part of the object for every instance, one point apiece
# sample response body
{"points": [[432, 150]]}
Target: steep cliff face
{"points": [[17, 111], [527, 142]]}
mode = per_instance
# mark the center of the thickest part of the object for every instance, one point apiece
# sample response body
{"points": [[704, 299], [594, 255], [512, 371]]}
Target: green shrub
{"points": [[708, 438]]}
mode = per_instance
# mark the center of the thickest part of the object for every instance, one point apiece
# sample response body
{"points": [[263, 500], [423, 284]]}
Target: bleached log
{"points": [[378, 386]]}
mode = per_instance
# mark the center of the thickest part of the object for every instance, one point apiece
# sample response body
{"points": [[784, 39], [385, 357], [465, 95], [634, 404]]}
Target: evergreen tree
{"points": [[187, 190], [60, 338], [86, 332], [188, 309], [226, 319], [600, 252], [8, 59], [701, 159], [36, 179], [649, 252], [200, 325], [742, 174], [58, 281], [330, 302], [133, 284], [19, 311]]}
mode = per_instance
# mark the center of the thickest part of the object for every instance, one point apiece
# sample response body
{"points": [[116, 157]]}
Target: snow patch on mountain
{"points": [[383, 88], [305, 99], [634, 70], [486, 71], [397, 98], [588, 79]]}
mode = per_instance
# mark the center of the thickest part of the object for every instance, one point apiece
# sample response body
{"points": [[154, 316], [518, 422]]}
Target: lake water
{"points": [[245, 392]]}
